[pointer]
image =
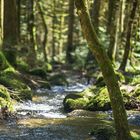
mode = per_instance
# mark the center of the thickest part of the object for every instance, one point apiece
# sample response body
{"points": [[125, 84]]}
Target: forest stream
{"points": [[44, 118]]}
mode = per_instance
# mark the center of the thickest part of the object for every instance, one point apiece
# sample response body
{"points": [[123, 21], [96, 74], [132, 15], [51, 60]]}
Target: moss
{"points": [[3, 62], [69, 99], [100, 101], [135, 136], [11, 79], [5, 99], [11, 56], [104, 133], [79, 103]]}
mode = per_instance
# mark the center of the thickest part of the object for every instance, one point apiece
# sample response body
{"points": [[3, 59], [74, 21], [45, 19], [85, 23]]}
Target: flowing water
{"points": [[44, 118]]}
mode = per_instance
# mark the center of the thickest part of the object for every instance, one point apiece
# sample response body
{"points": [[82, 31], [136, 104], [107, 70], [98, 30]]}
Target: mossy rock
{"points": [[100, 102], [58, 79], [104, 133], [38, 72], [73, 101], [11, 79]]}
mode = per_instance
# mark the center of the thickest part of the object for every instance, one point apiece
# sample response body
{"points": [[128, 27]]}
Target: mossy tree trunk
{"points": [[128, 36], [70, 47], [119, 113], [10, 30]]}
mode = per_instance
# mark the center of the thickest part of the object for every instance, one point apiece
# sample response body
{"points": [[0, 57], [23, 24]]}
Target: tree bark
{"points": [[95, 14], [70, 46], [119, 113], [112, 27], [18, 17], [10, 30], [128, 37], [32, 52]]}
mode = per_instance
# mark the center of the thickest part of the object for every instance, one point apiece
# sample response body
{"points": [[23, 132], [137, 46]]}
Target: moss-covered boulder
{"points": [[58, 79], [74, 101], [97, 99], [13, 81], [100, 102]]}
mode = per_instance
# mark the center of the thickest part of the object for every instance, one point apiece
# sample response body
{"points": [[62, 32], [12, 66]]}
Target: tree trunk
{"points": [[45, 31], [0, 25], [95, 14], [18, 17], [119, 113], [10, 30], [32, 52], [112, 27], [128, 37], [70, 47]]}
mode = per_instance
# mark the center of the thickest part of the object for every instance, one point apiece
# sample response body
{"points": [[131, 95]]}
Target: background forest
{"points": [[44, 45]]}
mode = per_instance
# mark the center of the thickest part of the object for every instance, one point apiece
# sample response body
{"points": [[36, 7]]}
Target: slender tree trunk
{"points": [[53, 30], [18, 17], [0, 25], [112, 27], [10, 30], [95, 14], [32, 52], [128, 37], [45, 31], [70, 47], [119, 113]]}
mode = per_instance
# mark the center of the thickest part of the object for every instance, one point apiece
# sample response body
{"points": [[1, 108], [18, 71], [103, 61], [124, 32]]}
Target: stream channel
{"points": [[44, 118]]}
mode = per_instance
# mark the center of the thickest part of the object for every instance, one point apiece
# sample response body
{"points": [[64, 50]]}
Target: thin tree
{"points": [[10, 30], [128, 37], [119, 113], [70, 46]]}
